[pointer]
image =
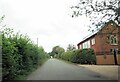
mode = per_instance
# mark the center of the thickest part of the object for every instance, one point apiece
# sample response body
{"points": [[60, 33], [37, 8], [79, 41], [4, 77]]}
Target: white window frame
{"points": [[93, 41], [80, 46], [86, 44]]}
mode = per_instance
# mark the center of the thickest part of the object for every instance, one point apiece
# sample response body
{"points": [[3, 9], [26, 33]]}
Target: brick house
{"points": [[105, 42]]}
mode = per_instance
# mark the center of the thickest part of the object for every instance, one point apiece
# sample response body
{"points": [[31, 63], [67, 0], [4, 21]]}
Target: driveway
{"points": [[110, 71]]}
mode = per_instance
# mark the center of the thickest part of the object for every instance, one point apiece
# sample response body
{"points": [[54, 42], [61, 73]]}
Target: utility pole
{"points": [[37, 42], [115, 58]]}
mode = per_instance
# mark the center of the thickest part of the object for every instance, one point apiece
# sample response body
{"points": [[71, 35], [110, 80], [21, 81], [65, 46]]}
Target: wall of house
{"points": [[102, 42], [89, 40], [119, 37], [102, 47], [94, 46]]}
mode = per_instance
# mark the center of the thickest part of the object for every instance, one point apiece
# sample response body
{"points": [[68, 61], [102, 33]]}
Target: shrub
{"points": [[19, 54], [67, 55], [83, 56]]}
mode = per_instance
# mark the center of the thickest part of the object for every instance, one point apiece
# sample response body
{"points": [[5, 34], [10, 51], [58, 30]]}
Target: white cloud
{"points": [[47, 20]]}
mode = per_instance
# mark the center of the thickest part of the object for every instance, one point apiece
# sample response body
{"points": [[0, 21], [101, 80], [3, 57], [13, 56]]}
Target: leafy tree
{"points": [[98, 11], [57, 51], [71, 47]]}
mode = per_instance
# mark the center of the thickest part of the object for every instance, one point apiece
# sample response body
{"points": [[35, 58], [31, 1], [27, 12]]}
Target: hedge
{"points": [[19, 54], [82, 56]]}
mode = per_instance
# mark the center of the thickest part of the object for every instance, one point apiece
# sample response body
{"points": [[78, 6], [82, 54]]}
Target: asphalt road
{"points": [[55, 69]]}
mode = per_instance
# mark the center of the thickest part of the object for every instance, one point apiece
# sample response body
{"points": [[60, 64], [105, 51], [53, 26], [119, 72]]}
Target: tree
{"points": [[71, 47], [57, 51], [98, 11], [1, 20], [1, 27]]}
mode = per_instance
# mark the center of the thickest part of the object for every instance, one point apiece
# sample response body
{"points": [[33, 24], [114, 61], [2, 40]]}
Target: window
{"points": [[93, 41], [112, 24], [117, 51], [80, 46], [86, 44], [113, 39], [112, 51]]}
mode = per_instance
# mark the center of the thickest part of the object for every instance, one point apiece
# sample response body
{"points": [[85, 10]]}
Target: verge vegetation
{"points": [[20, 56], [79, 56]]}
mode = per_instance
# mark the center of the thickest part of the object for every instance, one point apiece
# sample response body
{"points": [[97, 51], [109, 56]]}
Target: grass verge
{"points": [[26, 73]]}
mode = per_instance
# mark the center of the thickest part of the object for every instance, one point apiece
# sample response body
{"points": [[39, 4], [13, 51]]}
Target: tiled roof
{"points": [[87, 37]]}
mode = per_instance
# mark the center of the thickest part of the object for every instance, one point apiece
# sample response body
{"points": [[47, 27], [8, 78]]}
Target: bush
{"points": [[19, 55], [83, 56], [67, 55]]}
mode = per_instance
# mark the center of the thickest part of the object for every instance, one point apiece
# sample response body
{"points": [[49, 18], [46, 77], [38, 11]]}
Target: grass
{"points": [[25, 75]]}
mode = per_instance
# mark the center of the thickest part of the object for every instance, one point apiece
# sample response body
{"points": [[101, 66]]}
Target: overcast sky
{"points": [[47, 20]]}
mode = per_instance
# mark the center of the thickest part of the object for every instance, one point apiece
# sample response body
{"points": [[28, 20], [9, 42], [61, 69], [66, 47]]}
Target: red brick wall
{"points": [[102, 41], [119, 37], [102, 46]]}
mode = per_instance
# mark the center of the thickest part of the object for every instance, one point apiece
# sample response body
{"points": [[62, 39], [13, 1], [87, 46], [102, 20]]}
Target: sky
{"points": [[48, 20]]}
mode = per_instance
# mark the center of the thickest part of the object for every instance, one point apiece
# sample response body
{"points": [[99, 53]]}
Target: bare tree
{"points": [[71, 47]]}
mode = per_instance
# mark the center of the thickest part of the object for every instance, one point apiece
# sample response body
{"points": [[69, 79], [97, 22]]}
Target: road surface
{"points": [[55, 69]]}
